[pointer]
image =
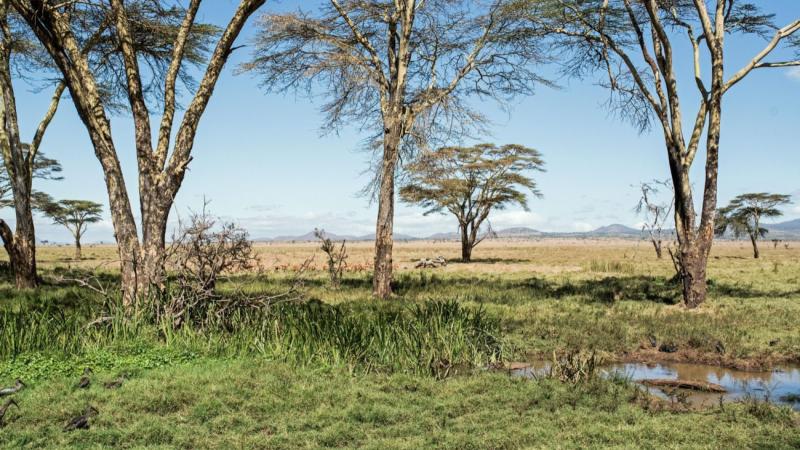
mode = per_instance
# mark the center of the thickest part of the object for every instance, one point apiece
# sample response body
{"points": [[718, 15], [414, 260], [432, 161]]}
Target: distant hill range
{"points": [[785, 230]]}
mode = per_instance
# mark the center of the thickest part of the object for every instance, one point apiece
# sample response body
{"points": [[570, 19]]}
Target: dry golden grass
{"points": [[731, 260]]}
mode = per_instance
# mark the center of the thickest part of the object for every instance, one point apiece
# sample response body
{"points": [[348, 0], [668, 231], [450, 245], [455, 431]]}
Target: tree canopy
{"points": [[470, 182], [742, 216]]}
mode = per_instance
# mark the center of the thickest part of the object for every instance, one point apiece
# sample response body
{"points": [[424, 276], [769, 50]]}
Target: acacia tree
{"points": [[161, 171], [633, 43], [43, 168], [470, 182], [744, 213], [403, 69], [75, 215], [654, 213]]}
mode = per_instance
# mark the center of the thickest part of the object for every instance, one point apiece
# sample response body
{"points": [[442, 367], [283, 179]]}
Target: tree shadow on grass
{"points": [[491, 261], [607, 290]]}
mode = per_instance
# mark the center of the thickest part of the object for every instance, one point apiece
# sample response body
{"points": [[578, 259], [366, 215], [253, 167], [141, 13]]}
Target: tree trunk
{"points": [[466, 245], [756, 253], [25, 244], [78, 255], [8, 242], [152, 277], [693, 274], [384, 240], [657, 246]]}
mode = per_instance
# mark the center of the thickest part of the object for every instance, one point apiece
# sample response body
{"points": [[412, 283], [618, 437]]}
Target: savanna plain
{"points": [[311, 365]]}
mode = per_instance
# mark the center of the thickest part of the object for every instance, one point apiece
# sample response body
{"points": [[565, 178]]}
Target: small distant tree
{"points": [[75, 215], [655, 213], [469, 182], [744, 213], [337, 256]]}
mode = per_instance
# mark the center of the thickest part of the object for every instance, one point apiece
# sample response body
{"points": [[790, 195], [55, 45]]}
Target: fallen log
{"points": [[702, 386]]}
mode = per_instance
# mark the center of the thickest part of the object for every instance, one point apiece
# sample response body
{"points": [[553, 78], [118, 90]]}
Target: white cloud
{"points": [[794, 73], [582, 226]]}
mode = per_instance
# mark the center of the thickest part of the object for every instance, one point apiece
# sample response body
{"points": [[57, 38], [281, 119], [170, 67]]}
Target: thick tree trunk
{"points": [[466, 245], [384, 239], [693, 274], [152, 280], [78, 255], [25, 244]]}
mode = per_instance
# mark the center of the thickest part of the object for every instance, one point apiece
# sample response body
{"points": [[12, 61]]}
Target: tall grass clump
{"points": [[606, 266], [436, 337]]}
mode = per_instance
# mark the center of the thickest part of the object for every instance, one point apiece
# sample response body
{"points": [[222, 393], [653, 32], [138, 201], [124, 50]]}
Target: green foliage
{"points": [[75, 215], [470, 181], [744, 213], [44, 168]]}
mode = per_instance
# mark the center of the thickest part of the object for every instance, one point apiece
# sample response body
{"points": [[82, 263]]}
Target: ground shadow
{"points": [[491, 261]]}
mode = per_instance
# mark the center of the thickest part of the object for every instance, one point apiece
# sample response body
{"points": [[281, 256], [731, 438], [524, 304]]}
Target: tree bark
{"points": [[693, 274], [19, 174], [384, 239], [657, 246], [78, 255], [153, 274], [8, 242], [25, 274], [466, 245], [756, 253]]}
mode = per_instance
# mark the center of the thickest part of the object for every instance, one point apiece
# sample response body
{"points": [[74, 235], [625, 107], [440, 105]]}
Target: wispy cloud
{"points": [[794, 73]]}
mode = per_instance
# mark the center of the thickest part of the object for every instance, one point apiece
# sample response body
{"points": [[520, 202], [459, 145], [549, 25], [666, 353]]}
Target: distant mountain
{"points": [[615, 229], [784, 230], [792, 225], [519, 232], [309, 237]]}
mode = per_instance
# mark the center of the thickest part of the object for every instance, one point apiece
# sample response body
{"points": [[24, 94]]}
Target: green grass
{"points": [[215, 403], [344, 370]]}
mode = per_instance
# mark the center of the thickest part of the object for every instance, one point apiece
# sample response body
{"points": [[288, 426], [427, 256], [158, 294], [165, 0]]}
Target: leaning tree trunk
{"points": [[384, 240], [756, 253], [657, 246]]}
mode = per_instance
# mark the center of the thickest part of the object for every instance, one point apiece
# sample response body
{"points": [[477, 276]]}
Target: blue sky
{"points": [[262, 161]]}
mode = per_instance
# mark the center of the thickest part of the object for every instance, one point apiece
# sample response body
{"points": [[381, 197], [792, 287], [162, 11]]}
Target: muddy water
{"points": [[778, 386]]}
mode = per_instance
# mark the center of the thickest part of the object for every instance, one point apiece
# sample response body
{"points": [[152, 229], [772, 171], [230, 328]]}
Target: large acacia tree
{"points": [[743, 215], [162, 162], [22, 58], [471, 182], [403, 69], [636, 45]]}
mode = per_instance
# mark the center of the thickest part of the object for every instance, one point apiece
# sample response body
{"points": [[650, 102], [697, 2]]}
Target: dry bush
{"points": [[337, 257], [205, 251]]}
